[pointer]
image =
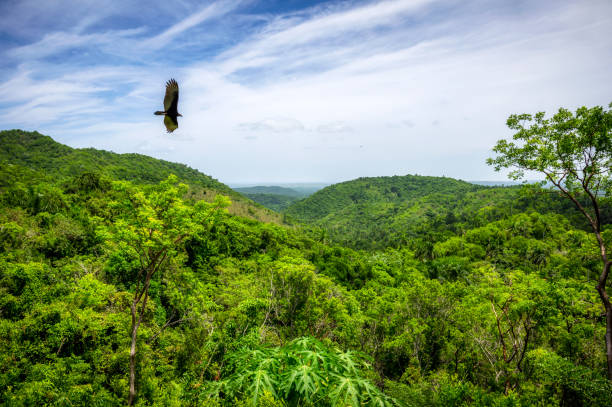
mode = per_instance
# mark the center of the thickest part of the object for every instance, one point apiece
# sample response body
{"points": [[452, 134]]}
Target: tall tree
{"points": [[574, 152], [151, 227]]}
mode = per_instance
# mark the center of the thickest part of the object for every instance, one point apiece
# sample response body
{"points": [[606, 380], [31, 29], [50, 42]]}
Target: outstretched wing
{"points": [[171, 123], [171, 98]]}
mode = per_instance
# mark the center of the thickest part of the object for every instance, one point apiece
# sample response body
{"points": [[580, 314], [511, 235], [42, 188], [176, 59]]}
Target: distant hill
{"points": [[380, 212], [496, 183], [276, 197], [273, 201], [38, 152], [273, 190], [306, 188], [363, 191]]}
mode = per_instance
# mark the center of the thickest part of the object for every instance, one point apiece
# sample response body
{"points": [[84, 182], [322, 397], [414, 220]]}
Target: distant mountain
{"points": [[302, 188], [273, 201], [306, 188], [37, 152], [380, 212], [276, 197], [370, 190], [496, 183], [274, 190]]}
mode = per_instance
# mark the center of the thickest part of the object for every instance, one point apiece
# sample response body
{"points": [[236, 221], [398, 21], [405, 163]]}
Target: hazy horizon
{"points": [[315, 184]]}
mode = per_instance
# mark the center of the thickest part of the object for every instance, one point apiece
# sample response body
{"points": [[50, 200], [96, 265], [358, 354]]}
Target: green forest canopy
{"points": [[494, 308], [58, 162], [382, 212]]}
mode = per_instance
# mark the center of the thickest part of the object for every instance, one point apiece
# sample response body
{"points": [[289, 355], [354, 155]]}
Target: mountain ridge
{"points": [[381, 212], [35, 151], [392, 189]]}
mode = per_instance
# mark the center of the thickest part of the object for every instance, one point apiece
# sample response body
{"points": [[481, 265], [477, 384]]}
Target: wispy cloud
{"points": [[334, 127], [211, 11], [321, 37], [56, 42], [276, 125]]}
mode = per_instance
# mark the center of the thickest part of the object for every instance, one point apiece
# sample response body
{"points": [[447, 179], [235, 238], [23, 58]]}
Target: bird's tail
{"points": [[159, 113]]}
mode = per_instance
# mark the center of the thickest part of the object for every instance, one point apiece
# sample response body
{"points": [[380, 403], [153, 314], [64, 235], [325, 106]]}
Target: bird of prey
{"points": [[170, 106]]}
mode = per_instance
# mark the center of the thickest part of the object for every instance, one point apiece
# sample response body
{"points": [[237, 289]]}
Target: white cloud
{"points": [[276, 125], [334, 127], [359, 69]]}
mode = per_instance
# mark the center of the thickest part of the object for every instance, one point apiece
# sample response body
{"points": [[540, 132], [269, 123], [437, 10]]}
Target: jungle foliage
{"points": [[58, 162], [493, 307], [415, 211]]}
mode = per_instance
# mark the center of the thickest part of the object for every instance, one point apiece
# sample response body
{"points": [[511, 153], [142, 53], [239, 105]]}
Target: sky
{"points": [[301, 91]]}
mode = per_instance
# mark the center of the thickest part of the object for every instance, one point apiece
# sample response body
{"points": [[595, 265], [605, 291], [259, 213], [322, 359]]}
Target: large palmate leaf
{"points": [[305, 381], [301, 373], [262, 381]]}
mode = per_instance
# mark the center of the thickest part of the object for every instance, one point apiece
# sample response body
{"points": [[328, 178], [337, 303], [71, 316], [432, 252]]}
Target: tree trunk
{"points": [[609, 339], [133, 357], [136, 319], [605, 299]]}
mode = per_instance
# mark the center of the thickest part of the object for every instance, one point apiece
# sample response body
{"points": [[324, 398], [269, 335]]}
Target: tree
{"points": [[503, 317], [151, 227], [574, 152]]}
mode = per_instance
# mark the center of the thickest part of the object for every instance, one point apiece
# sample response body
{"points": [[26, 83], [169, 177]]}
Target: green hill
{"points": [[364, 191], [39, 152], [380, 212], [36, 152]]}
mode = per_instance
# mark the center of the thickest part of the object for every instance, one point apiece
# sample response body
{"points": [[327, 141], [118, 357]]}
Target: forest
{"points": [[130, 280]]}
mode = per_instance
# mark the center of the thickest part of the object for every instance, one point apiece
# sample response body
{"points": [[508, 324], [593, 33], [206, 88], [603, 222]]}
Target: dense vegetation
{"points": [[573, 150], [32, 150], [380, 189], [494, 307], [415, 211]]}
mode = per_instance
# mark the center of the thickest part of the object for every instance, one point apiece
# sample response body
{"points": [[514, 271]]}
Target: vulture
{"points": [[170, 106]]}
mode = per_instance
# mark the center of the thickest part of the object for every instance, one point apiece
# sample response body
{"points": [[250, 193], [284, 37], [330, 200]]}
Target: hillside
{"points": [[36, 152], [379, 212], [364, 191], [375, 213]]}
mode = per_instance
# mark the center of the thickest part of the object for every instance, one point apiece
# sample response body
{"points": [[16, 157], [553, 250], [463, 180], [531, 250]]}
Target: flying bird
{"points": [[170, 106]]}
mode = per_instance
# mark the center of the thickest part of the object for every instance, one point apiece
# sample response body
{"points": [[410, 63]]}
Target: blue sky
{"points": [[301, 91]]}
